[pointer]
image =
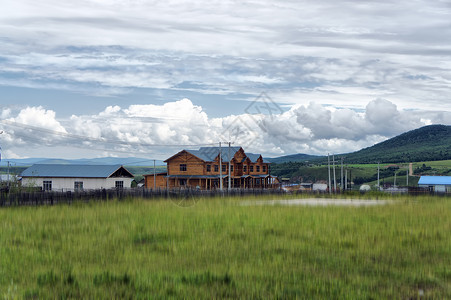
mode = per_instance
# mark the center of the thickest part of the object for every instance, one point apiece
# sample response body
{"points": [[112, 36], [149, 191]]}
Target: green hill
{"points": [[427, 143], [293, 158]]}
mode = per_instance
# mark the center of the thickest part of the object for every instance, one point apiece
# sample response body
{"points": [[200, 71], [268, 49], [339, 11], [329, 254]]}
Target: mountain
{"points": [[427, 143], [293, 158]]}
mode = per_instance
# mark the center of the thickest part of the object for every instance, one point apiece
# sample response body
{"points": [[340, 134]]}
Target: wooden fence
{"points": [[37, 197]]}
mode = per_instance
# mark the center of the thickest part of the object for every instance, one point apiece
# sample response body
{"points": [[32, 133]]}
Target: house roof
{"points": [[434, 180], [210, 154], [78, 171]]}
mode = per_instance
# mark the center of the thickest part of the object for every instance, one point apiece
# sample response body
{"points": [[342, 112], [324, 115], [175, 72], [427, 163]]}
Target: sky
{"points": [[137, 78]]}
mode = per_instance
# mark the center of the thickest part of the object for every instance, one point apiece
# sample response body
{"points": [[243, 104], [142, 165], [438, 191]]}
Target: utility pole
{"points": [[328, 167], [394, 184], [154, 176], [346, 180], [220, 167], [378, 170], [341, 177], [407, 175], [229, 181], [335, 180]]}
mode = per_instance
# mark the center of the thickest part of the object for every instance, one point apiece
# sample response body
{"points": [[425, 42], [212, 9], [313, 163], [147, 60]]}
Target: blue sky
{"points": [[146, 78]]}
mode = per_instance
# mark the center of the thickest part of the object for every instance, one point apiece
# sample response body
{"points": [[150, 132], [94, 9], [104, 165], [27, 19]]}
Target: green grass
{"points": [[219, 249]]}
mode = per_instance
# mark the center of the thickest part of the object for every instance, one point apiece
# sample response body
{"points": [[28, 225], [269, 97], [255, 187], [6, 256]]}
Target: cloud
{"points": [[347, 53], [157, 131], [348, 73]]}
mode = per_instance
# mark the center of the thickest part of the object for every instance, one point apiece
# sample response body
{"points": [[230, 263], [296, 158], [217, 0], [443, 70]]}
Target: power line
{"points": [[91, 139]]}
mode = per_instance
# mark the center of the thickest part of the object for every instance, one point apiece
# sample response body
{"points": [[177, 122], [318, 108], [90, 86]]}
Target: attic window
{"points": [[183, 167]]}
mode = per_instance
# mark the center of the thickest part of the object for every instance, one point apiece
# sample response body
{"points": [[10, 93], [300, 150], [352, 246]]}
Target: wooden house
{"points": [[204, 168]]}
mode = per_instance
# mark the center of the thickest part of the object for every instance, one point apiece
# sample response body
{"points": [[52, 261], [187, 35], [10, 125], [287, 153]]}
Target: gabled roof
{"points": [[432, 180], [78, 171], [211, 153]]}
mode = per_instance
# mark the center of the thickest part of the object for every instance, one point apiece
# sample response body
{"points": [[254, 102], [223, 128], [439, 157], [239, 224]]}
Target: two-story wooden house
{"points": [[206, 167]]}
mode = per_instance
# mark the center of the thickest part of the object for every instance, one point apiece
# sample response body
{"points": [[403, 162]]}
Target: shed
{"points": [[76, 177], [439, 184]]}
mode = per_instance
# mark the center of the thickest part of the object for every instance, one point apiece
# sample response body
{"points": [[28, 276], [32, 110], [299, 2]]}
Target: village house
{"points": [[438, 184], [53, 177], [204, 168]]}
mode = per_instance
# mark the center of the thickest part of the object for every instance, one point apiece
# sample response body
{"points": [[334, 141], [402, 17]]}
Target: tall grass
{"points": [[219, 249]]}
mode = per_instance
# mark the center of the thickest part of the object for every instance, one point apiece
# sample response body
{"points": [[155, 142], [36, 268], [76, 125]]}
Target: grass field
{"points": [[220, 249]]}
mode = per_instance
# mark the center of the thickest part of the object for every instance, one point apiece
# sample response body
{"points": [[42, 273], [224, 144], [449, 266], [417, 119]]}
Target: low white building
{"points": [[53, 177], [319, 187]]}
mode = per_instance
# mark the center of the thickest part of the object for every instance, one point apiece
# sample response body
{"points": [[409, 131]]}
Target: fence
{"points": [[37, 197]]}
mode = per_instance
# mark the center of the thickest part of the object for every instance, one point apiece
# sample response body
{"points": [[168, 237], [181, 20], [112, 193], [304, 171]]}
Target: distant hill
{"points": [[424, 144], [428, 143], [293, 158]]}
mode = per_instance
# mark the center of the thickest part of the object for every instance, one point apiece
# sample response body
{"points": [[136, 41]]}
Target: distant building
{"points": [[319, 187], [438, 184], [6, 178], [202, 169], [76, 177]]}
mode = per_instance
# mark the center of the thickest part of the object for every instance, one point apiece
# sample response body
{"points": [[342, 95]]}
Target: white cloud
{"points": [[349, 73], [160, 130]]}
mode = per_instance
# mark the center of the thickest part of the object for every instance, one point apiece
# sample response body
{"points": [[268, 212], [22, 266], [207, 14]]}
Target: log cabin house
{"points": [[203, 169]]}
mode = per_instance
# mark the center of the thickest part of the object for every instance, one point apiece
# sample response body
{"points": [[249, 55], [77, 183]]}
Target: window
{"points": [[224, 168], [216, 168], [264, 169], [182, 182], [251, 168], [183, 167], [47, 185], [231, 168], [208, 168], [119, 184], [244, 169], [258, 168], [78, 185]]}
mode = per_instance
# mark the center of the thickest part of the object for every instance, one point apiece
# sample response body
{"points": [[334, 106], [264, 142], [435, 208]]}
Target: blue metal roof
{"points": [[79, 171], [435, 180]]}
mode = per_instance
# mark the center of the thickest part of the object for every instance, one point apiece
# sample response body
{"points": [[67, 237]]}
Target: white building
{"points": [[53, 177]]}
